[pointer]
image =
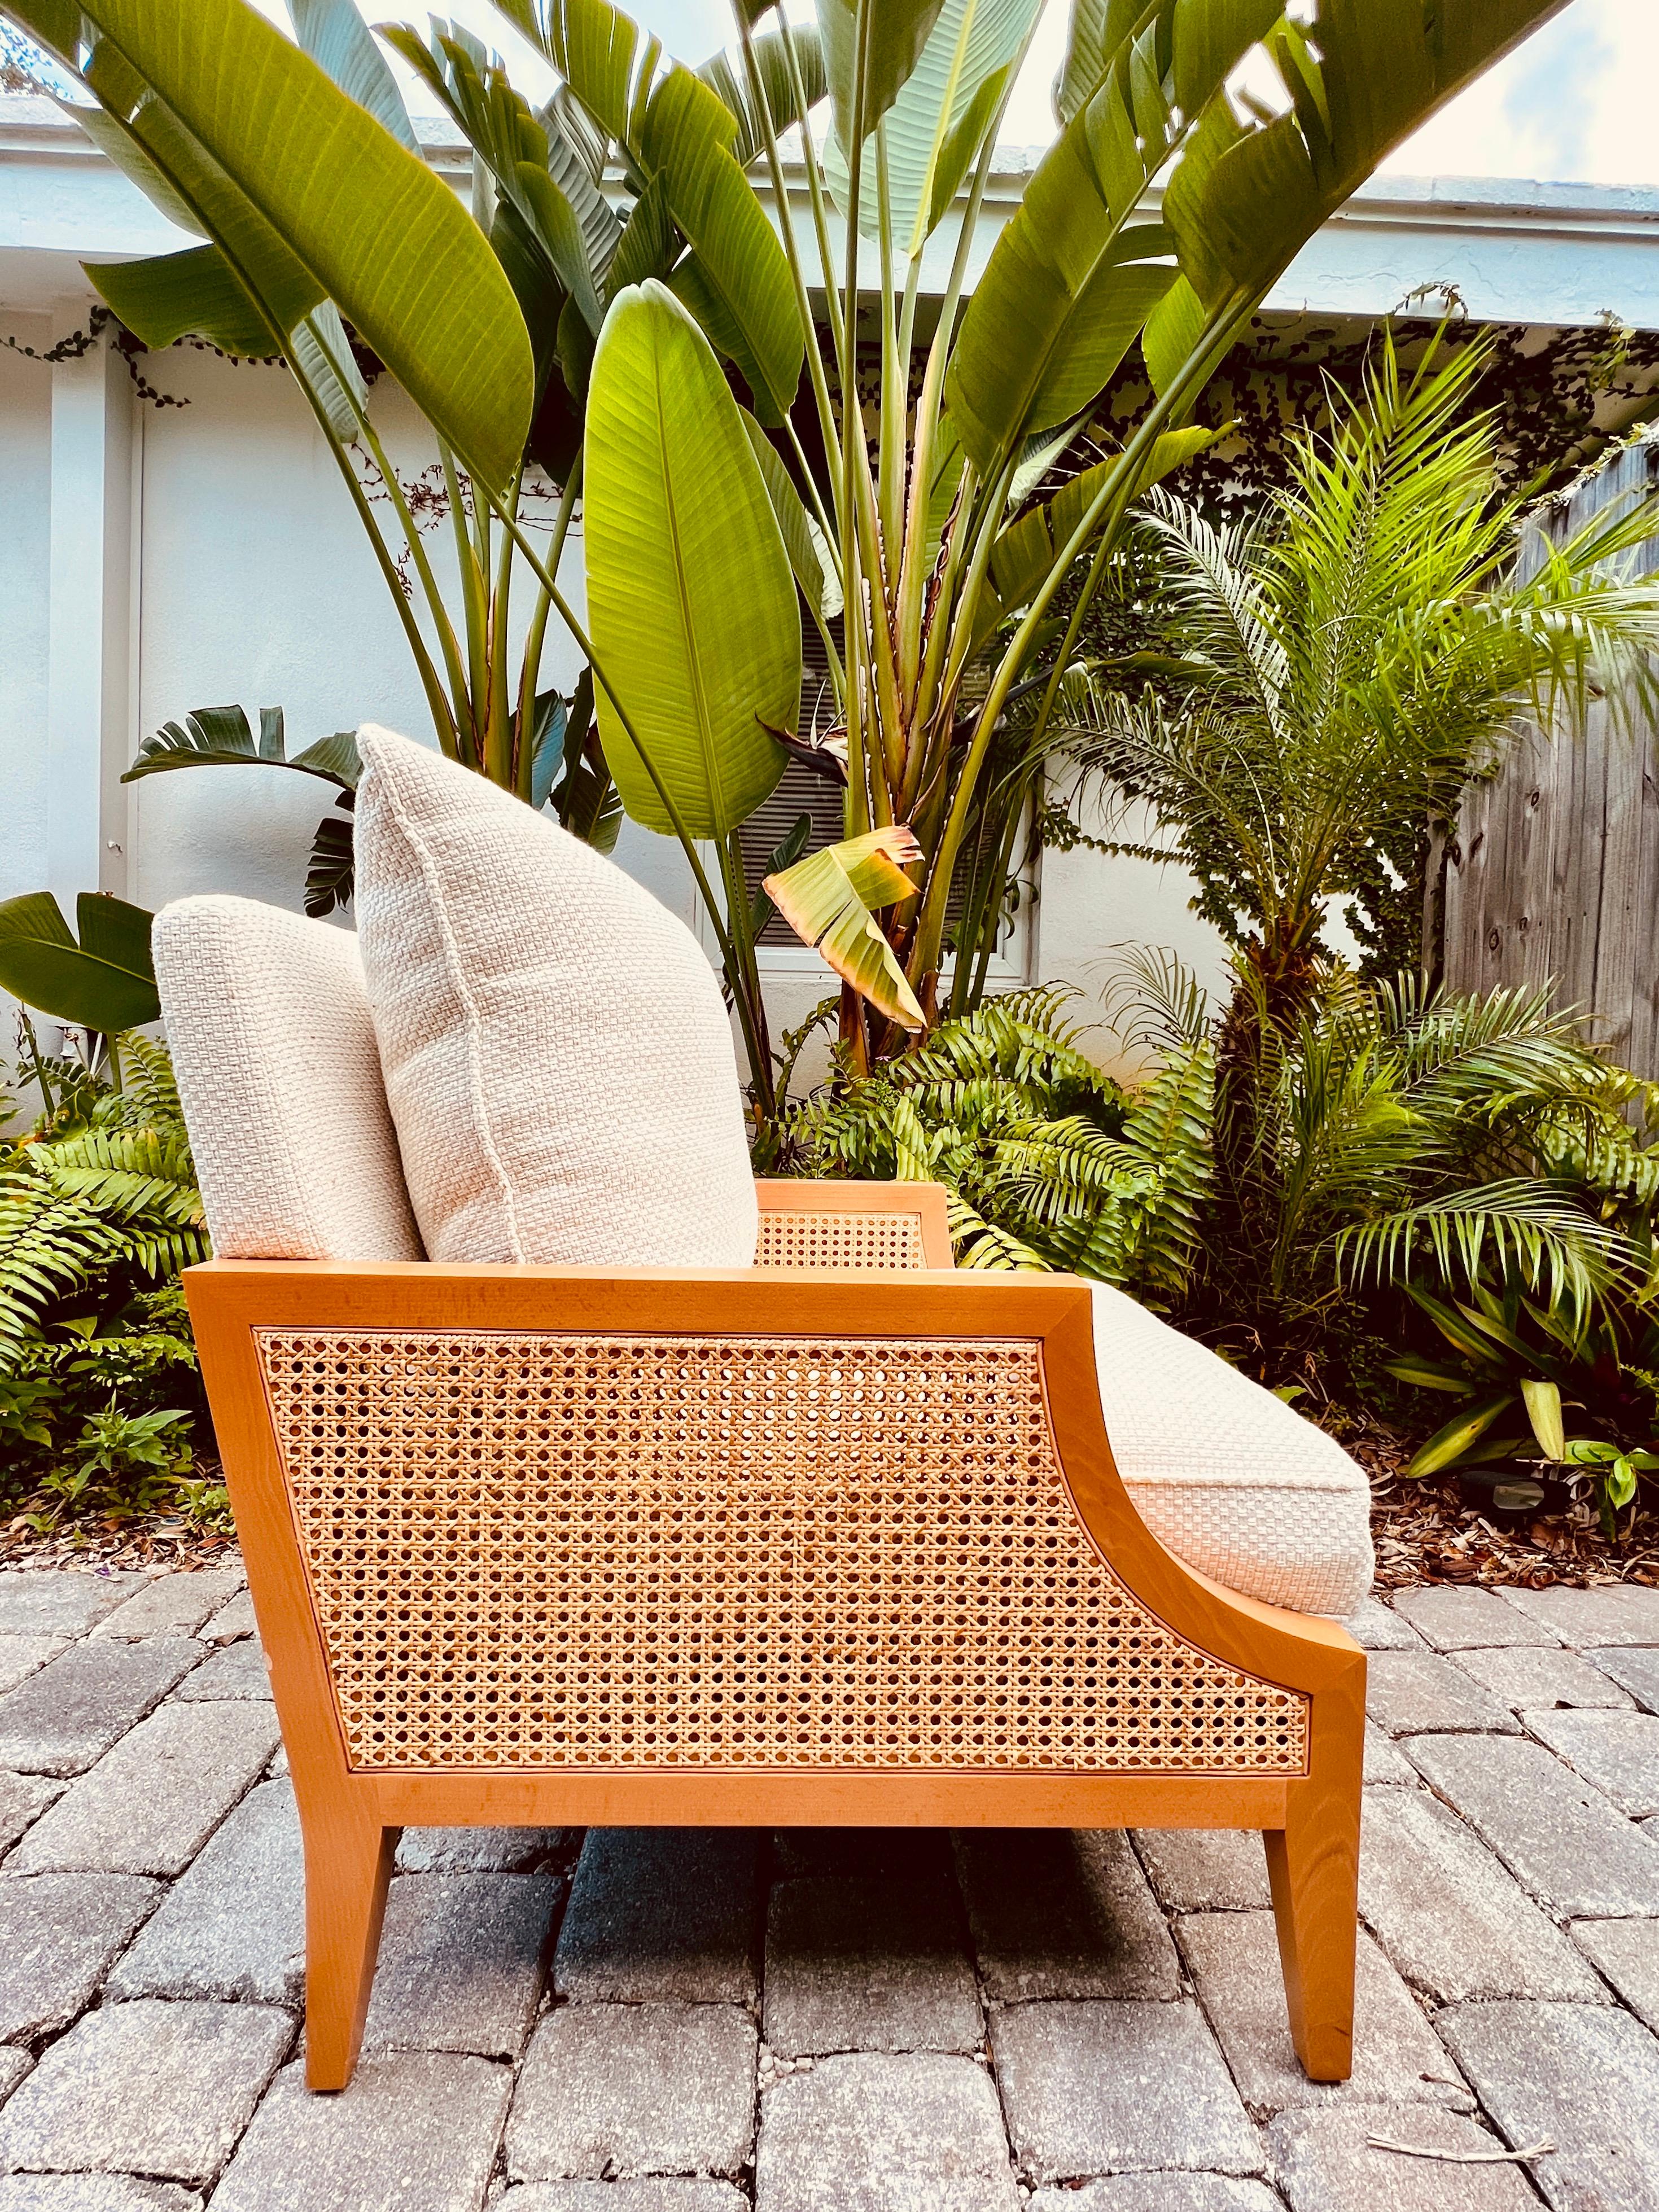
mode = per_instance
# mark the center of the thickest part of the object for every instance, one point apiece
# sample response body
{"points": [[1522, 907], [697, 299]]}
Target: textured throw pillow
{"points": [[280, 1079], [559, 1064]]}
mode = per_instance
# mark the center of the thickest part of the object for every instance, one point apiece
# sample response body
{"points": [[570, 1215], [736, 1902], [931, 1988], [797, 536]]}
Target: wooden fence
{"points": [[1553, 874]]}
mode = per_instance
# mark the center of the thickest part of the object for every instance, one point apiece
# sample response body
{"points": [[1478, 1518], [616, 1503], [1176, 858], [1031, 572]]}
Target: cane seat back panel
{"points": [[863, 1239], [616, 1551]]}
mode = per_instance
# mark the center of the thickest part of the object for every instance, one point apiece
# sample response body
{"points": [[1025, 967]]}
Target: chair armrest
{"points": [[852, 1225]]}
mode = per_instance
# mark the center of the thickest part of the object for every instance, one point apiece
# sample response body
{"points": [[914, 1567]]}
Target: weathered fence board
{"points": [[1553, 874]]}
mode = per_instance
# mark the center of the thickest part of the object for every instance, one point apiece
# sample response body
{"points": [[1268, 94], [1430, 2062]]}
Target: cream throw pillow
{"points": [[558, 1062], [280, 1080]]}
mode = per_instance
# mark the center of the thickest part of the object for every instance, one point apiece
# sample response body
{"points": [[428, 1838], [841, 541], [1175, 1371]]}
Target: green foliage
{"points": [[106, 982]]}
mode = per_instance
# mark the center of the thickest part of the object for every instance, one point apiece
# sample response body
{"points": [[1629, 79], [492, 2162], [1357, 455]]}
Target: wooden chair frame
{"points": [[352, 1811]]}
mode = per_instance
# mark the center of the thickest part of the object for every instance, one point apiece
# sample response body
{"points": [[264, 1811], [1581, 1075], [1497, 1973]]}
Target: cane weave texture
{"points": [[627, 1551], [839, 1240]]}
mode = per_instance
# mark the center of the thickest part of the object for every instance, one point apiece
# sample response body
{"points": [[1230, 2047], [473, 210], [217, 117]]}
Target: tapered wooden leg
{"points": [[347, 1867], [1313, 1865]]}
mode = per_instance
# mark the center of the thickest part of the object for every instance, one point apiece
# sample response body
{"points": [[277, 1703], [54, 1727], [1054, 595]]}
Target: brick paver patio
{"points": [[850, 2021]]}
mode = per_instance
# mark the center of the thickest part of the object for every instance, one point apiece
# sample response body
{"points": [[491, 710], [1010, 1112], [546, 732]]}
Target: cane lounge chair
{"points": [[836, 1537]]}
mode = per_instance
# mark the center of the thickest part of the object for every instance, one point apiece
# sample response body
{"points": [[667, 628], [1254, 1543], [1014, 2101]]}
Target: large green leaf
{"points": [[1098, 30], [172, 294], [337, 40], [827, 900], [106, 981], [599, 53], [894, 32], [973, 42], [215, 737], [728, 79], [691, 603], [378, 232], [803, 540]]}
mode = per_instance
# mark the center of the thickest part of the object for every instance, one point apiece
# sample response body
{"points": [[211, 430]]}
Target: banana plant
{"points": [[103, 984]]}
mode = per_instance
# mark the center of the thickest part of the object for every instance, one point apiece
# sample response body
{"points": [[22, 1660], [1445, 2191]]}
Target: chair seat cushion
{"points": [[559, 1064], [1229, 1478]]}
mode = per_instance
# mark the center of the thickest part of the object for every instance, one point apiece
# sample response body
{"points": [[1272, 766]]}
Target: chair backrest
{"points": [[280, 1079], [852, 1225]]}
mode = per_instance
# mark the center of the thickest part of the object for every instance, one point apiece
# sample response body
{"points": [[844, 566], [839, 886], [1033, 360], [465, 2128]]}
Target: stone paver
{"points": [[657, 2195], [1409, 1691], [1586, 2080], [23, 1798], [64, 1718], [93, 2193], [1109, 2088], [1380, 1628], [234, 1926], [634, 2089], [866, 1965], [60, 1604], [416, 2131], [1627, 1953], [172, 1605], [481, 1851], [231, 1621], [1453, 1922], [23, 1656], [151, 1804], [1621, 1613], [58, 1933], [1159, 2192], [234, 1670], [1635, 1671], [1383, 1763], [460, 1963], [1058, 1913], [660, 1913], [1204, 1869], [1453, 1619], [1559, 1836], [1234, 1958], [1536, 1679], [158, 2089], [1618, 1751], [916, 2131], [1321, 2163]]}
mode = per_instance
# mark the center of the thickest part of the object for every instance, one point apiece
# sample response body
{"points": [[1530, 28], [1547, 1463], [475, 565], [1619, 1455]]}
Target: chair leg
{"points": [[348, 1869], [1313, 1866]]}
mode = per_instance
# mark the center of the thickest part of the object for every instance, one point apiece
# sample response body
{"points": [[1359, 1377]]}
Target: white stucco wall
{"points": [[25, 554]]}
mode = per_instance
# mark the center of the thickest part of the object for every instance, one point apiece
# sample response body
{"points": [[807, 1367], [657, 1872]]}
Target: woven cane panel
{"points": [[839, 1240], [619, 1551]]}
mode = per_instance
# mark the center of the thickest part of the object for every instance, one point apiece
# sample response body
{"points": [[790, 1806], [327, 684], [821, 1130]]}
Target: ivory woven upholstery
{"points": [[559, 1064], [1229, 1477], [280, 1079]]}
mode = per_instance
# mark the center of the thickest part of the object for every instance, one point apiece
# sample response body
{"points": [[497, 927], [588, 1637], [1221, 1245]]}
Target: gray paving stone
{"points": [[915, 2131], [658, 2194], [416, 2131], [64, 1718], [13, 2065], [1453, 1619], [1453, 1922], [234, 1670], [481, 1850], [171, 1605], [232, 1621], [866, 1965], [1618, 1751], [1380, 1628], [1111, 2089], [151, 1803], [460, 1963], [1627, 1953], [1536, 1680], [60, 1932], [93, 2193], [1409, 1691], [634, 2089], [233, 1925], [1384, 1763], [1635, 1671], [60, 1604], [1321, 2163], [1204, 1869], [1620, 1613], [23, 1656], [1056, 1912], [1160, 2192], [660, 1913], [1559, 1836], [1234, 1958], [159, 2089], [23, 1798], [1585, 2079]]}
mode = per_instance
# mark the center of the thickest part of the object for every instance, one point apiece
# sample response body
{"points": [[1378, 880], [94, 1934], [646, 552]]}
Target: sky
{"points": [[1575, 103]]}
